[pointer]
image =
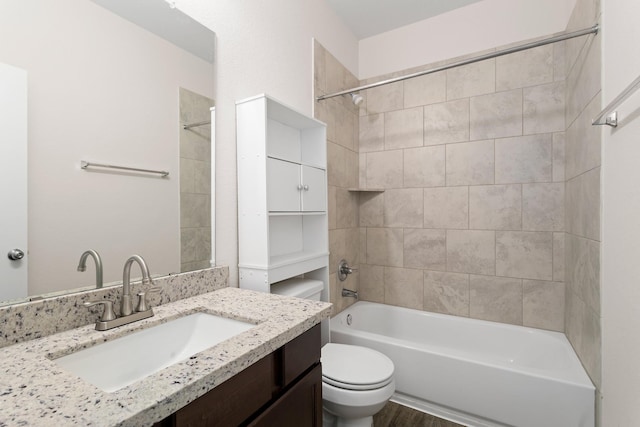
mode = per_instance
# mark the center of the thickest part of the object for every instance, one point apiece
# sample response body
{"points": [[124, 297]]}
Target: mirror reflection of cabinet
{"points": [[282, 194]]}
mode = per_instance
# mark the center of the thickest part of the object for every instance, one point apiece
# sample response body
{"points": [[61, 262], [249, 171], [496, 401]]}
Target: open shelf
{"points": [[366, 190], [294, 258], [297, 213]]}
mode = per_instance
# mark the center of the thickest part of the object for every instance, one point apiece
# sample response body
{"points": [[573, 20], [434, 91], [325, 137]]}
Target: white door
{"points": [[283, 186], [13, 182], [313, 194]]}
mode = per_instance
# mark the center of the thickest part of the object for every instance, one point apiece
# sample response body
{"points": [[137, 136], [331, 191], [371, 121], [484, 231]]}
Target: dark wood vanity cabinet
{"points": [[282, 389]]}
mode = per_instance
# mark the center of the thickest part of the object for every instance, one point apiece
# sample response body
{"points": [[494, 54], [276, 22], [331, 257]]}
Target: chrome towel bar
{"points": [[84, 165], [609, 116]]}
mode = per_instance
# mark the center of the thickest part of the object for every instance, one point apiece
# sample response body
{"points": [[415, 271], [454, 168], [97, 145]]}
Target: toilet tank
{"points": [[300, 288]]}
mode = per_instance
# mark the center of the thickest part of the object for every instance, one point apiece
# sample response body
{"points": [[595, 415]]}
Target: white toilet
{"points": [[356, 381]]}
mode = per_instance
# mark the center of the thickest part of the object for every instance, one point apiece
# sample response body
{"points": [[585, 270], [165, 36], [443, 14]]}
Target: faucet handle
{"points": [[108, 313], [344, 270], [142, 298]]}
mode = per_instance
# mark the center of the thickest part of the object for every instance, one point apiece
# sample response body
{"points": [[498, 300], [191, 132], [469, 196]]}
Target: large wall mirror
{"points": [[110, 82]]}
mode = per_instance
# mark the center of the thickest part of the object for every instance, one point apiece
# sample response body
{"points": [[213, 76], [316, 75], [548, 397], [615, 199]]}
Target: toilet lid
{"points": [[355, 368]]}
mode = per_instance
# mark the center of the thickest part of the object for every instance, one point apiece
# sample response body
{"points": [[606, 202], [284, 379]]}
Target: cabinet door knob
{"points": [[300, 187], [306, 187]]}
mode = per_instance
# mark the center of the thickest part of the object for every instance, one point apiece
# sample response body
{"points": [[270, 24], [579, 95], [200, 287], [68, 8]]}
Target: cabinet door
{"points": [[300, 406], [232, 402], [314, 197], [283, 181]]}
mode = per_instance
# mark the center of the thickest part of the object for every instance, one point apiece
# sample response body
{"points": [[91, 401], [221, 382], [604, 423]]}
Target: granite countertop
{"points": [[34, 391]]}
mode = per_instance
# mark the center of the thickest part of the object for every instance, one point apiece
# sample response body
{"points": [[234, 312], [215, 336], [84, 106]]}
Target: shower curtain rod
{"points": [[193, 125], [558, 38]]}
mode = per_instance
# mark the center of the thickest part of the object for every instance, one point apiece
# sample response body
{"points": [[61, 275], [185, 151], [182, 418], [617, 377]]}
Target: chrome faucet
{"points": [[82, 264], [127, 314], [344, 270], [126, 307]]}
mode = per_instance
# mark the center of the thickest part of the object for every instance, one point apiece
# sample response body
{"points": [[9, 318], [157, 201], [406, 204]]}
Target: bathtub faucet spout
{"points": [[349, 293]]}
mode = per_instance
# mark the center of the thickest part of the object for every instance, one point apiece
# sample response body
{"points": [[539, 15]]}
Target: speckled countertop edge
{"points": [[34, 391]]}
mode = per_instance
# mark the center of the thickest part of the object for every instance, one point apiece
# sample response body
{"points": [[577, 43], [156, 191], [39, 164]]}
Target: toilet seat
{"points": [[353, 367], [355, 387]]}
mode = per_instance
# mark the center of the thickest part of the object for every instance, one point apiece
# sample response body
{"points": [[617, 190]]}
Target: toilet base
{"points": [[330, 420], [349, 408]]}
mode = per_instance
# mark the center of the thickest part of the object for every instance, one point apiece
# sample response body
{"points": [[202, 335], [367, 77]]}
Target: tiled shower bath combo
{"points": [[490, 172]]}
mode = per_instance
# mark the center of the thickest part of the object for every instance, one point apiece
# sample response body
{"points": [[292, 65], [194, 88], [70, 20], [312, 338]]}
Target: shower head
{"points": [[356, 98]]}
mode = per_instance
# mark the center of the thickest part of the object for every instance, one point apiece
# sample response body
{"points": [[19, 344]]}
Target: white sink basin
{"points": [[123, 361]]}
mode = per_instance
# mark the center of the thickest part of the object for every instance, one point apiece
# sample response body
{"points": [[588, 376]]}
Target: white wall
{"points": [[72, 63], [263, 47], [473, 28], [620, 220]]}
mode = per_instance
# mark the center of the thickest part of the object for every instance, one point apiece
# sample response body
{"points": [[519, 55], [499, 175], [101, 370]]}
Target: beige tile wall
{"points": [[341, 117], [582, 212], [472, 219], [195, 182]]}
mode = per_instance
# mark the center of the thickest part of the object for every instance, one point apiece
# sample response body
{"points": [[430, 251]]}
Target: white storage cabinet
{"points": [[282, 194]]}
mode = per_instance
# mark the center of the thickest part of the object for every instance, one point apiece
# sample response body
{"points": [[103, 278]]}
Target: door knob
{"points": [[15, 254]]}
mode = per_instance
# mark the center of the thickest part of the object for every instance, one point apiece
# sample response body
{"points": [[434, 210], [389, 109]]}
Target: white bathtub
{"points": [[474, 372]]}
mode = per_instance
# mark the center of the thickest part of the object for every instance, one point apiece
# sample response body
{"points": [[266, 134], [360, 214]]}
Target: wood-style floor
{"points": [[394, 415]]}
